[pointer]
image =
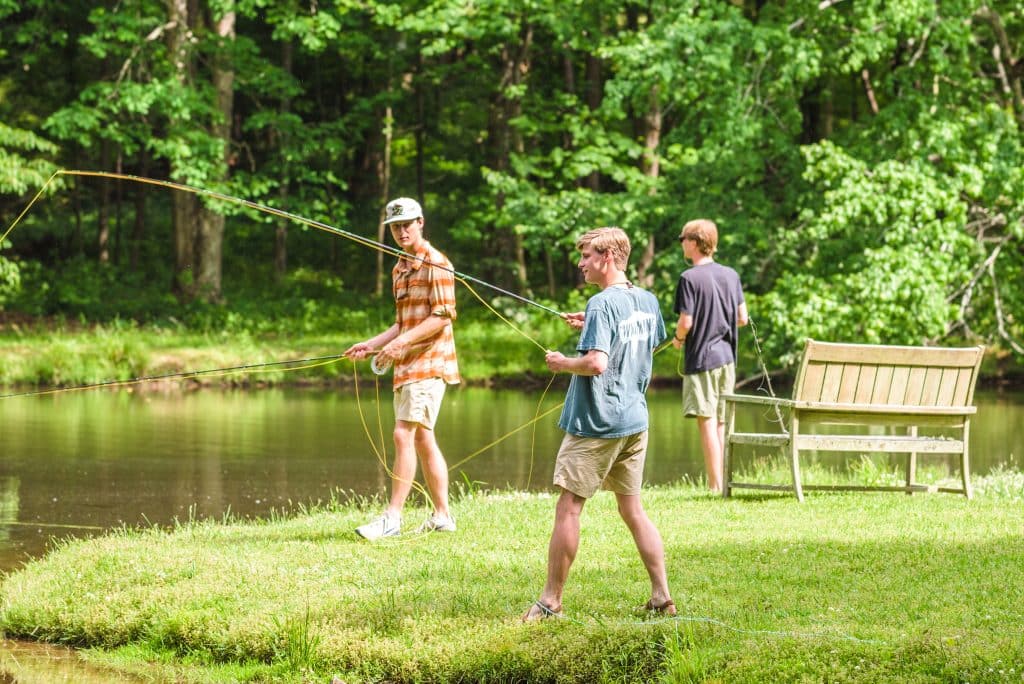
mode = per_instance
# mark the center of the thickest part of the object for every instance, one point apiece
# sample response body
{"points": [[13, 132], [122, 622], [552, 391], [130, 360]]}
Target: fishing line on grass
{"points": [[782, 634], [763, 632]]}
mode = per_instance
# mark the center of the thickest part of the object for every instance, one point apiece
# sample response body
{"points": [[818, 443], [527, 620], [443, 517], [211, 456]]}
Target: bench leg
{"points": [[794, 456], [911, 462], [965, 462], [730, 424]]}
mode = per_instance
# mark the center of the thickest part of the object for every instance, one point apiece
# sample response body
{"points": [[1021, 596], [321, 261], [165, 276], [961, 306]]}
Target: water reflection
{"points": [[77, 464], [34, 662]]}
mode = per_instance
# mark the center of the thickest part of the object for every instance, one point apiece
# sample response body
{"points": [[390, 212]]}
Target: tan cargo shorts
{"points": [[702, 392], [584, 464], [420, 401]]}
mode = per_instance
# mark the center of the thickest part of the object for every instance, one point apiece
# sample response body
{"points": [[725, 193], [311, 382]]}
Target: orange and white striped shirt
{"points": [[422, 290]]}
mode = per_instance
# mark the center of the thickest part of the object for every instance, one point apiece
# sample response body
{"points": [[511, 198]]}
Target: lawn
{"points": [[845, 587]]}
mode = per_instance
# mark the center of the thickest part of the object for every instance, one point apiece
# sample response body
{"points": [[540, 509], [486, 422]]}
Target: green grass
{"points": [[850, 587], [54, 358], [489, 351]]}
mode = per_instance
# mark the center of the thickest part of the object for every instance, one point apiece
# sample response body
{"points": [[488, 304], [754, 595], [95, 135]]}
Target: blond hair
{"points": [[704, 232], [609, 239]]}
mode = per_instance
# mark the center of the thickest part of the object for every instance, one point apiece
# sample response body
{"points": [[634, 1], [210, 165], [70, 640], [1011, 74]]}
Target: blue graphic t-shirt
{"points": [[626, 324]]}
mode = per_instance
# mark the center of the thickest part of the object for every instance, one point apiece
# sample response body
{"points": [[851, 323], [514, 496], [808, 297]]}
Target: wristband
{"points": [[678, 338]]}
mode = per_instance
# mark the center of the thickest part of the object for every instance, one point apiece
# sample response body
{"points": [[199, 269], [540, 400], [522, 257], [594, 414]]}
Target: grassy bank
{"points": [[63, 355], [856, 587]]}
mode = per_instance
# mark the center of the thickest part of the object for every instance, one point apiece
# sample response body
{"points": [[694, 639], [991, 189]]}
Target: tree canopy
{"points": [[864, 160]]}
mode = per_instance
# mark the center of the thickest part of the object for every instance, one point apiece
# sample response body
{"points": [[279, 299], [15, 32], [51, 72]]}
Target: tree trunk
{"points": [[595, 88], [651, 167], [281, 230], [103, 220], [509, 244], [210, 245], [139, 226], [184, 209], [118, 201], [384, 179]]}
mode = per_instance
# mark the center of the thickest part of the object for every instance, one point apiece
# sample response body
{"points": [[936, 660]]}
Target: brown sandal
{"points": [[546, 612], [666, 608]]}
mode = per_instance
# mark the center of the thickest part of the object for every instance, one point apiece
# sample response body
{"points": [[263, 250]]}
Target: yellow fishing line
{"points": [[501, 439], [380, 451], [25, 211], [18, 523], [533, 437], [496, 313], [366, 242]]}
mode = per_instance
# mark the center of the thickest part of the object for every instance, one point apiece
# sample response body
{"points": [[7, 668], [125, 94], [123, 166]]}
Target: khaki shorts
{"points": [[420, 401], [583, 464], [702, 392]]}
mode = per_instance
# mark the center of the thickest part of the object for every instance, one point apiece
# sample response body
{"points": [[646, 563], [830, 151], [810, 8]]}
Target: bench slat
{"points": [[810, 419], [896, 444], [897, 409], [832, 352], [931, 386]]}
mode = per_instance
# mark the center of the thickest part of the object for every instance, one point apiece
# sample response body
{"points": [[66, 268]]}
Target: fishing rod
{"points": [[167, 376], [307, 221]]}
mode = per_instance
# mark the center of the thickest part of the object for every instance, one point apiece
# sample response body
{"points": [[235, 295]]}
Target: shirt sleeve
{"points": [[677, 305], [684, 296], [442, 292], [597, 329]]}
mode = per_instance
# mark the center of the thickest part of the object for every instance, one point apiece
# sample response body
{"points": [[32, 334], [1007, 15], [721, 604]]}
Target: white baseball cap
{"points": [[402, 209]]}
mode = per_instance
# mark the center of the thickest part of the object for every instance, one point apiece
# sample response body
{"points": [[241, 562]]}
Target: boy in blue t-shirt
{"points": [[605, 416]]}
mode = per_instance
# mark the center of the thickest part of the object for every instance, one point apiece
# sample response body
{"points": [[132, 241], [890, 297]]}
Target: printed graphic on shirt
{"points": [[637, 330]]}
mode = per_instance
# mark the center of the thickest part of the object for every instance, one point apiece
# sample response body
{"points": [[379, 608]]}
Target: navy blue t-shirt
{"points": [[626, 324], [712, 294]]}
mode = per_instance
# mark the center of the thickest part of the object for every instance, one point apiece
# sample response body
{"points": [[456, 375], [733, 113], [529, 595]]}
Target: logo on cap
{"points": [[402, 209]]}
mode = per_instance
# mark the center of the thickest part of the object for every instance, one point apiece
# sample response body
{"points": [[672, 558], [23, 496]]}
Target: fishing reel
{"points": [[379, 367]]}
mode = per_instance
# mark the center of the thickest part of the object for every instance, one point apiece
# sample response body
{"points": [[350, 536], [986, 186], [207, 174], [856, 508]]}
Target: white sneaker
{"points": [[437, 523], [384, 526]]}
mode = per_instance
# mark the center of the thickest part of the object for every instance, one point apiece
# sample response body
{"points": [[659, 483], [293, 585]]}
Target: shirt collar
{"points": [[406, 264]]}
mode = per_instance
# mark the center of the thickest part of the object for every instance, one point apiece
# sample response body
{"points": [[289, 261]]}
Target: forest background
{"points": [[864, 160]]}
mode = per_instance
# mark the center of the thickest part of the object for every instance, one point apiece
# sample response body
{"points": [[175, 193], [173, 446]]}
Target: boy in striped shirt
{"points": [[421, 346]]}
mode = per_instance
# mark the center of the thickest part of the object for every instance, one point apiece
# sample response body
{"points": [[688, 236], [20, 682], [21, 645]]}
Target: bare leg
{"points": [[404, 469], [565, 540], [435, 469], [712, 437], [648, 543]]}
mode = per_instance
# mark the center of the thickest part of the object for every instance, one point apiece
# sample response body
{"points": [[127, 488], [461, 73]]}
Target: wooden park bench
{"points": [[868, 387]]}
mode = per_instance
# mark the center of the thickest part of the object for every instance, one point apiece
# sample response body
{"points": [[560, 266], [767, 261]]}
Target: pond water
{"points": [[76, 464], [29, 662]]}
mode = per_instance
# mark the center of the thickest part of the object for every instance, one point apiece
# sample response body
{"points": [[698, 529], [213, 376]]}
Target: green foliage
{"points": [[863, 160], [852, 268], [23, 160], [10, 280]]}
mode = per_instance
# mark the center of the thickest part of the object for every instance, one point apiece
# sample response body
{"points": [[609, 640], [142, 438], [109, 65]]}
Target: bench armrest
{"points": [[758, 399]]}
